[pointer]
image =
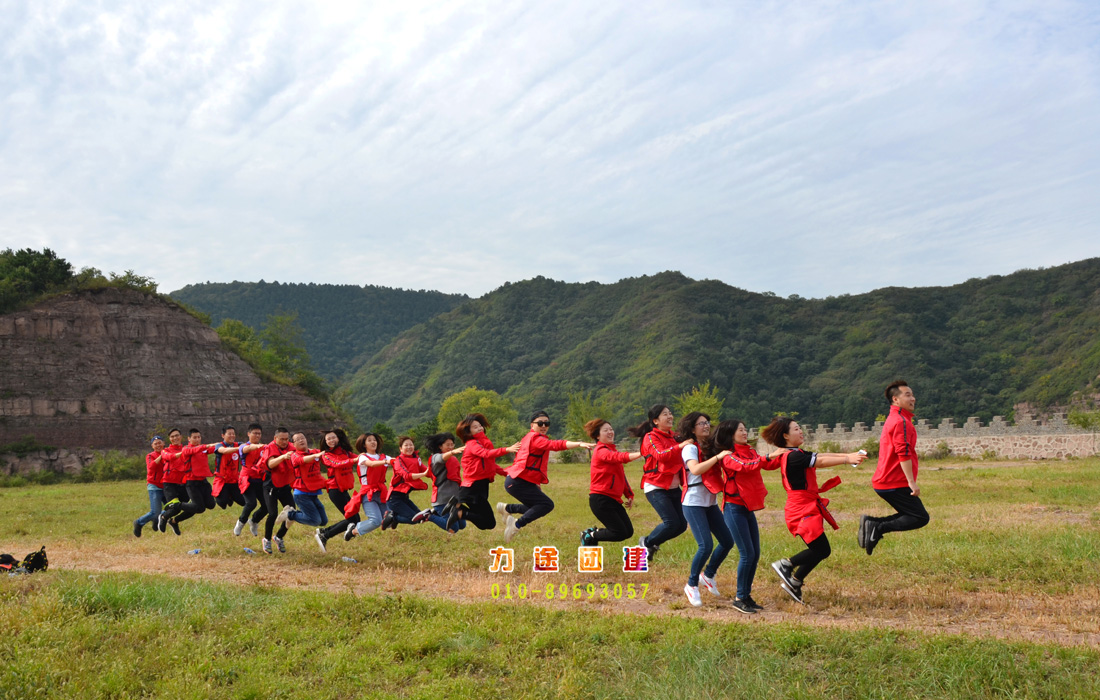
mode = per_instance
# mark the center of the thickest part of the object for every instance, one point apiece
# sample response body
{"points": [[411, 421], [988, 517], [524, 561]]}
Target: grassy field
{"points": [[998, 597]]}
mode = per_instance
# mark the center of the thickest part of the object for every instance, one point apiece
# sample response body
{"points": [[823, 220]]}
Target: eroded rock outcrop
{"points": [[105, 368]]}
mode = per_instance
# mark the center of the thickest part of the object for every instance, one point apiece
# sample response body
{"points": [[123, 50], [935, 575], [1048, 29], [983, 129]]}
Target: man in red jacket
{"points": [[895, 479]]}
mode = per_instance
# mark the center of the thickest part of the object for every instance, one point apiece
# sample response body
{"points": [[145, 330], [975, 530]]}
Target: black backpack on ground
{"points": [[36, 561]]}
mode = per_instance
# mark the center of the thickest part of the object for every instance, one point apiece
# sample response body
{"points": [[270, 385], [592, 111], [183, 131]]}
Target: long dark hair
{"points": [[640, 430], [341, 439], [686, 431], [773, 434], [724, 434], [434, 443]]}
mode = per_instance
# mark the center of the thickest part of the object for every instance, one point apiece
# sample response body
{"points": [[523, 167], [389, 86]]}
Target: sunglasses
{"points": [[542, 423]]}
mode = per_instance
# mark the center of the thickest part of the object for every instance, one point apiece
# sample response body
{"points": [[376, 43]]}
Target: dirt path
{"points": [[1063, 620]]}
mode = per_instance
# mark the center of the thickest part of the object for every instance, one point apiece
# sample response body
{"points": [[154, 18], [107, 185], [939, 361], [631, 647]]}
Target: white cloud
{"points": [[798, 148]]}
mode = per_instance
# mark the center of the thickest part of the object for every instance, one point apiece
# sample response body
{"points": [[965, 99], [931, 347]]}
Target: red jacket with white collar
{"points": [[897, 444], [608, 473]]}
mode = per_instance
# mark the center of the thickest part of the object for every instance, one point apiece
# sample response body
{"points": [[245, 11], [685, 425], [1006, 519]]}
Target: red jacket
{"points": [[307, 475], [533, 456], [372, 480], [283, 473], [154, 470], [175, 468], [662, 459], [897, 444], [226, 467], [479, 460], [340, 468], [251, 468], [744, 485], [805, 509], [403, 469], [196, 457], [608, 473]]}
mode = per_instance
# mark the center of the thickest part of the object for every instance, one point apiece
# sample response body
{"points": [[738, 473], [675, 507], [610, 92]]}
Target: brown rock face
{"points": [[105, 368]]}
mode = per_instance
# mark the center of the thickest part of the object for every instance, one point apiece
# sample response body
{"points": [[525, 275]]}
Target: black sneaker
{"points": [[785, 569], [874, 536], [452, 504], [351, 532], [742, 606], [137, 529], [321, 539], [793, 589], [422, 516], [588, 537], [861, 532], [174, 525], [388, 520], [160, 522], [752, 603], [452, 517], [650, 551]]}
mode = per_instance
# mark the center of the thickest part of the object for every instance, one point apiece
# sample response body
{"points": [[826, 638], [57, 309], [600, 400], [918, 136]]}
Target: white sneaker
{"points": [[283, 517], [708, 583], [238, 528], [254, 528], [692, 592], [510, 529], [502, 511], [320, 540]]}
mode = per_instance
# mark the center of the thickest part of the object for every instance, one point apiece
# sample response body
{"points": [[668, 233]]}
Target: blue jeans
{"points": [[742, 525], [372, 514], [156, 505], [460, 524], [667, 504], [404, 509], [310, 510], [704, 523]]}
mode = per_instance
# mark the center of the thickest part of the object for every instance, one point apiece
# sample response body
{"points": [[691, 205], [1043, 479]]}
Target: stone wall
{"points": [[59, 461], [1026, 438]]}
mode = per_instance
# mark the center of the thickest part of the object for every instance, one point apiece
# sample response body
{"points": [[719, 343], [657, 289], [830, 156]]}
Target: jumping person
{"points": [[194, 464], [307, 488], [446, 479], [806, 511], [895, 478], [279, 475], [608, 486], [340, 462], [154, 485], [407, 473], [250, 481], [662, 475], [743, 494], [372, 494], [528, 472], [700, 506], [175, 478], [479, 469], [227, 470]]}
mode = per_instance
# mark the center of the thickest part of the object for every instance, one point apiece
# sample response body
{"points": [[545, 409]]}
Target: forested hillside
{"points": [[971, 349], [342, 325]]}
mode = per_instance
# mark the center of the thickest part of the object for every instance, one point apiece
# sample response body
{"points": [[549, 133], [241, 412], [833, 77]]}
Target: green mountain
{"points": [[975, 348], [342, 325]]}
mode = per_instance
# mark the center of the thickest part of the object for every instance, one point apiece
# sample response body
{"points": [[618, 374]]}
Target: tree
{"points": [[701, 398], [498, 410], [583, 407]]}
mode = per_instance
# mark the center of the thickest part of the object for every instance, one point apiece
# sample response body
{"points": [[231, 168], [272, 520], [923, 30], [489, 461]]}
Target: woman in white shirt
{"points": [[700, 505]]}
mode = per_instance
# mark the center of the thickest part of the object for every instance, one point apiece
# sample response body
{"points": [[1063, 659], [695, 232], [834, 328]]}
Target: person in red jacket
{"points": [[743, 494], [806, 511], [250, 481], [193, 462], [608, 486], [154, 485], [340, 461], [704, 481], [479, 469], [278, 476], [371, 496], [227, 470], [446, 479], [307, 488], [174, 479], [528, 472], [662, 475], [407, 473], [895, 479]]}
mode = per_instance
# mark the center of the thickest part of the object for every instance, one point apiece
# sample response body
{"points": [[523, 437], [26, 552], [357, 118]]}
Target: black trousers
{"points": [[533, 503], [475, 501], [339, 499], [173, 492], [911, 513], [202, 499], [815, 553], [253, 495], [616, 523], [230, 493], [275, 497]]}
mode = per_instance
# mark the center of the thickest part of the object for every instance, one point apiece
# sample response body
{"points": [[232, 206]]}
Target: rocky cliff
{"points": [[105, 368]]}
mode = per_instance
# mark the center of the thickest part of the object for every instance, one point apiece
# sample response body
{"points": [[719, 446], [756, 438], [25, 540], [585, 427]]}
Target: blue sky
{"points": [[802, 148]]}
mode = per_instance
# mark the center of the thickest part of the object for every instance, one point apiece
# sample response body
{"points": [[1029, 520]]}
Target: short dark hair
{"points": [[539, 414], [255, 426], [192, 431], [894, 389], [463, 427], [281, 429], [227, 428], [174, 430]]}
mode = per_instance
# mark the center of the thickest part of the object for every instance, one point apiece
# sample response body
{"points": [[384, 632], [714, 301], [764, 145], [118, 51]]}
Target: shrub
{"points": [[941, 451], [113, 465], [870, 445], [827, 446]]}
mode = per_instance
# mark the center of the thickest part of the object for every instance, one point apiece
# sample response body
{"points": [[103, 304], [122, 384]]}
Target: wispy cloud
{"points": [[812, 149]]}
